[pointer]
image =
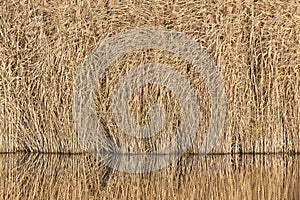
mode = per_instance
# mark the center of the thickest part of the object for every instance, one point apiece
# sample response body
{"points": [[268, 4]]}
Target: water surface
{"points": [[34, 176]]}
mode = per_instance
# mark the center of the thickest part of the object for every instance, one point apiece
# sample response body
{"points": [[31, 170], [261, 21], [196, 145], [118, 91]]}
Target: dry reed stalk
{"points": [[255, 45]]}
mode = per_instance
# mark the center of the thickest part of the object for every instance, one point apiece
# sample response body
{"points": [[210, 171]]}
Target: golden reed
{"points": [[256, 46]]}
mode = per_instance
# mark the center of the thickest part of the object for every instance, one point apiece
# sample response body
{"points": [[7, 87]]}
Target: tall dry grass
{"points": [[256, 46], [216, 177]]}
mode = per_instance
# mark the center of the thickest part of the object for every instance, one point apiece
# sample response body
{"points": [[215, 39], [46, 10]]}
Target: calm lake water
{"points": [[32, 176]]}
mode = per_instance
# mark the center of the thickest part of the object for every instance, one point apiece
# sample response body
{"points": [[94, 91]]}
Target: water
{"points": [[33, 176]]}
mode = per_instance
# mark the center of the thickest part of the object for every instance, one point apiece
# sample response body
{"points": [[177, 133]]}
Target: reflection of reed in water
{"points": [[215, 177], [34, 176]]}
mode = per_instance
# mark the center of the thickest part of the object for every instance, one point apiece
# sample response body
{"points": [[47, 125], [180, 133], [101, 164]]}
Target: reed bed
{"points": [[255, 44], [35, 176]]}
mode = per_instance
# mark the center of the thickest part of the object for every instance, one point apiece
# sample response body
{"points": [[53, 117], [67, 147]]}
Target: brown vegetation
{"points": [[256, 46]]}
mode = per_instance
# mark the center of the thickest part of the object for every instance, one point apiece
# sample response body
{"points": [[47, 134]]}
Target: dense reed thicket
{"points": [[256, 46]]}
